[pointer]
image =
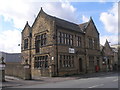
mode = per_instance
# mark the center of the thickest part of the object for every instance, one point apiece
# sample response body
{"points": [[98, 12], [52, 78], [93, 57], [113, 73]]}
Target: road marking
{"points": [[115, 80], [109, 77], [96, 86]]}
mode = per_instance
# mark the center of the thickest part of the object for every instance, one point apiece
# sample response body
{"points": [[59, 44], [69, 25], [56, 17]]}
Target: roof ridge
{"points": [[62, 22]]}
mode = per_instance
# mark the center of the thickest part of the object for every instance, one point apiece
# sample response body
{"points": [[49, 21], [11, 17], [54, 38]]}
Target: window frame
{"points": [[26, 43], [40, 41], [41, 62], [66, 61]]}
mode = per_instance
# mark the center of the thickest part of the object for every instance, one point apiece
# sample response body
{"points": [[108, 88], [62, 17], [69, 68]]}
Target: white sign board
{"points": [[71, 50], [26, 66], [2, 67]]}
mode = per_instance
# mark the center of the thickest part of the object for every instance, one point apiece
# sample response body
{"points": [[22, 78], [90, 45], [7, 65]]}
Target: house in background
{"points": [[56, 47], [11, 57], [109, 56]]}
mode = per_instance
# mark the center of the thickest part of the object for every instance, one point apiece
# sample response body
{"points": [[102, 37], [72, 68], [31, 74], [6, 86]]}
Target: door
{"points": [[80, 65]]}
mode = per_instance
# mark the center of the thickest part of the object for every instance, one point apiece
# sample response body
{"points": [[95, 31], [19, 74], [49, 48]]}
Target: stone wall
{"points": [[17, 70]]}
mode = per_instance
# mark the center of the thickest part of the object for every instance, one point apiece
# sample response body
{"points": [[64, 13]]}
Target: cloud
{"points": [[111, 38], [102, 1], [9, 41], [85, 19], [63, 10], [110, 19], [14, 10], [20, 11], [110, 22]]}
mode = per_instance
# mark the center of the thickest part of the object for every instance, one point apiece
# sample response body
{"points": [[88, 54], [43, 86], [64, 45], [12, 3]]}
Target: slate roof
{"points": [[67, 24], [62, 23], [83, 25]]}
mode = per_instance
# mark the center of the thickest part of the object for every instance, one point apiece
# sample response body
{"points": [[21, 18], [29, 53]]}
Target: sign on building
{"points": [[71, 50]]}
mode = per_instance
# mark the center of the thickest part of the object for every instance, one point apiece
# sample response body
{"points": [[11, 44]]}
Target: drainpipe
{"points": [[85, 47], [30, 37], [86, 59], [57, 53], [30, 47], [56, 44]]}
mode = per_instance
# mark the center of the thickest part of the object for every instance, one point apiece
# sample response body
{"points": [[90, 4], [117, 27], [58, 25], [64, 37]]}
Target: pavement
{"points": [[17, 82]]}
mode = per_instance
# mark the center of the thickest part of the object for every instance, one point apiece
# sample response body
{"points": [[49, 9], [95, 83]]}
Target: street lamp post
{"points": [[2, 69]]}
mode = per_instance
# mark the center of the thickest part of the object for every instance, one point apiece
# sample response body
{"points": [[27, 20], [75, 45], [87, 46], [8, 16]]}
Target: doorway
{"points": [[80, 65]]}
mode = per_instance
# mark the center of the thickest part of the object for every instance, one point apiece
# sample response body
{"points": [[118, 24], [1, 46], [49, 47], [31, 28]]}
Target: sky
{"points": [[15, 13]]}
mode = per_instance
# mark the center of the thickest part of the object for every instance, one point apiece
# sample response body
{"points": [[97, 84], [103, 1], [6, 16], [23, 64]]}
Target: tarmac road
{"points": [[106, 81]]}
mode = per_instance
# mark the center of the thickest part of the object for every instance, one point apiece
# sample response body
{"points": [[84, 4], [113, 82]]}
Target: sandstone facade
{"points": [[55, 47]]}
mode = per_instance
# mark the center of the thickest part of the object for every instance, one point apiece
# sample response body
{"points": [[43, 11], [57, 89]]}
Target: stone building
{"points": [[115, 53], [116, 48], [56, 47], [108, 57]]}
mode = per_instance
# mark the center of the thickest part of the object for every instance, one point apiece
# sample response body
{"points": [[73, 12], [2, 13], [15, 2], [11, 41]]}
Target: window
{"points": [[26, 44], [37, 43], [95, 44], [59, 38], [40, 40], [66, 61], [46, 61], [71, 39], [41, 62], [64, 38], [43, 38], [79, 42], [67, 39], [90, 43]]}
